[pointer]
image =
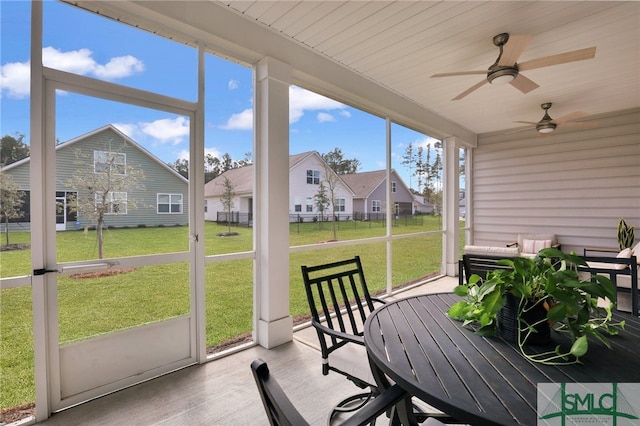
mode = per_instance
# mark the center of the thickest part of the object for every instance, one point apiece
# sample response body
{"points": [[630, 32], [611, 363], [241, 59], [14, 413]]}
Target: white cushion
{"points": [[492, 250], [636, 252], [624, 254], [534, 246]]}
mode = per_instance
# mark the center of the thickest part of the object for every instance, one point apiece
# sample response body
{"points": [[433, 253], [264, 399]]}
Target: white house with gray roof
{"points": [[358, 196]]}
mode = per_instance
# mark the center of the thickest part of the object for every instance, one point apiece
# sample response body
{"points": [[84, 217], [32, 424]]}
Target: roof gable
{"points": [[119, 134]]}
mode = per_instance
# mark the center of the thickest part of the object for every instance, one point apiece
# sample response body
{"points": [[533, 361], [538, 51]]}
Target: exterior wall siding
{"points": [[299, 189], [576, 184], [158, 179]]}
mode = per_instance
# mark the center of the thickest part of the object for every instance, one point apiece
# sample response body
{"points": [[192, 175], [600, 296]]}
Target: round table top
{"points": [[481, 380]]}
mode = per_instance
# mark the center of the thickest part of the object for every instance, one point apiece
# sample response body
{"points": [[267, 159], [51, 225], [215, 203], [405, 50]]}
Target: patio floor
{"points": [[223, 392]]}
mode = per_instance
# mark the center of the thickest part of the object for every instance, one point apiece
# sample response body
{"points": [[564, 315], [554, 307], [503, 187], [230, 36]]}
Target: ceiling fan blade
{"points": [[561, 58], [526, 122], [451, 74], [471, 89], [513, 49], [580, 124], [523, 84], [570, 117]]}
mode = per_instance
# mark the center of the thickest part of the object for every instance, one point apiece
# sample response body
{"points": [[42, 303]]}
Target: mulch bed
{"points": [[9, 247], [13, 414]]}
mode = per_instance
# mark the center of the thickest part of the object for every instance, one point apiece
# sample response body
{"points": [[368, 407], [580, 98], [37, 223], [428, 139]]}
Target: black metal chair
{"points": [[340, 302], [281, 411]]}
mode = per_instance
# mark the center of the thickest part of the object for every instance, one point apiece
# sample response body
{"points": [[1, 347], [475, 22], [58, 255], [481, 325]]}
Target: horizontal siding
{"points": [[576, 184], [158, 179]]}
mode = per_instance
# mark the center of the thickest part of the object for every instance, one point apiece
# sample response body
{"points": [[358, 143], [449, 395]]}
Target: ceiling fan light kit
{"points": [[545, 127], [502, 75], [506, 69]]}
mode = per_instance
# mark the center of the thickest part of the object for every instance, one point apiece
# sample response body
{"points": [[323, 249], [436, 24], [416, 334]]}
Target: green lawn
{"points": [[95, 305]]}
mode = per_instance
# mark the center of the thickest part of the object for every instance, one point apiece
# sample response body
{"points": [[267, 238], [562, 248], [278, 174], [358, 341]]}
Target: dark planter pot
{"points": [[508, 323]]}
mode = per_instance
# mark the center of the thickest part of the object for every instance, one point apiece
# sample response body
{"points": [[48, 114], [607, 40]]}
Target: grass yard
{"points": [[93, 305]]}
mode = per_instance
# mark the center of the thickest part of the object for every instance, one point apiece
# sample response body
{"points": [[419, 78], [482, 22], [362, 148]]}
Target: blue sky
{"points": [[86, 44]]}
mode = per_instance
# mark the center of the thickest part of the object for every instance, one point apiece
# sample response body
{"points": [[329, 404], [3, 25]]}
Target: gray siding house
{"points": [[370, 193], [163, 200]]}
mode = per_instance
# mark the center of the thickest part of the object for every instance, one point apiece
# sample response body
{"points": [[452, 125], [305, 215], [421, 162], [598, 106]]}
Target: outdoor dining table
{"points": [[481, 380]]}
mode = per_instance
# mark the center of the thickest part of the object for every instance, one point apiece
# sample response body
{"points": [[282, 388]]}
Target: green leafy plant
{"points": [[550, 279], [626, 235]]}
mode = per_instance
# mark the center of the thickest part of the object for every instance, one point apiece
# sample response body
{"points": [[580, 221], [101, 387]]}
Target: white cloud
{"points": [[81, 62], [122, 66], [14, 77], [14, 80], [183, 155], [130, 130], [172, 130], [325, 117], [240, 121], [233, 84], [301, 100]]}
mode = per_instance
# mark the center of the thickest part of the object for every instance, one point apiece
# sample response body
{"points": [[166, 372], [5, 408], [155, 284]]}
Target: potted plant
{"points": [[547, 282], [626, 235]]}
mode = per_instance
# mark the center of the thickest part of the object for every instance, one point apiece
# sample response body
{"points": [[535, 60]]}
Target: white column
{"points": [[451, 211], [271, 158]]}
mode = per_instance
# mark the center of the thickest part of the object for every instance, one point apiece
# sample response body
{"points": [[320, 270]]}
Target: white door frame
{"points": [[66, 375]]}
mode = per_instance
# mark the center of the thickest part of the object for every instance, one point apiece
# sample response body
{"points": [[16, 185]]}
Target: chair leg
{"points": [[347, 405]]}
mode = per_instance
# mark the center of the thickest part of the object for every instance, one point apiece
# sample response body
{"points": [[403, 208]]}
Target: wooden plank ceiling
{"points": [[400, 44]]}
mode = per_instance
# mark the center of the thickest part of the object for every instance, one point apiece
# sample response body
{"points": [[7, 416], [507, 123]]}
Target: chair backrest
{"points": [[277, 405], [281, 411], [481, 265], [333, 288]]}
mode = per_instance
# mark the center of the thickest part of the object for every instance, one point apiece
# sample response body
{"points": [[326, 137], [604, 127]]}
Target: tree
{"points": [[13, 149], [342, 166], [332, 183], [181, 166], [103, 183], [227, 199], [409, 160], [322, 199], [11, 199]]}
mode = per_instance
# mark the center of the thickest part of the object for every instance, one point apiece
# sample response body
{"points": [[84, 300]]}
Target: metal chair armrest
{"points": [[339, 334], [381, 403], [599, 249]]}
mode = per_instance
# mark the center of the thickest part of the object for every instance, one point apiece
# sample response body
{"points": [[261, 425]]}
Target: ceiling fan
{"points": [[548, 124], [506, 70]]}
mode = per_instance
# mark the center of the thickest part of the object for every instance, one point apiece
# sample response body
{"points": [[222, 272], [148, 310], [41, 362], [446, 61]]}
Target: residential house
{"points": [[359, 196], [162, 197], [306, 171], [370, 194]]}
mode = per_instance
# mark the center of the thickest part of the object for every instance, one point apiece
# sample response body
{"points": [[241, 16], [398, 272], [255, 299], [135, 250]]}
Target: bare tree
{"points": [[103, 184], [227, 199], [321, 199], [11, 199], [332, 180]]}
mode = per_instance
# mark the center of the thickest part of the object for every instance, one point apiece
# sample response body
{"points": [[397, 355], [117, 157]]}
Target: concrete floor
{"points": [[223, 392]]}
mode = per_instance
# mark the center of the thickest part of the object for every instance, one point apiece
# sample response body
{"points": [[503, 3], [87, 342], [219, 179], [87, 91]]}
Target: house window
{"points": [[376, 206], [115, 203], [111, 162], [394, 187], [169, 203], [297, 205], [309, 205], [313, 177], [339, 205], [205, 206]]}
